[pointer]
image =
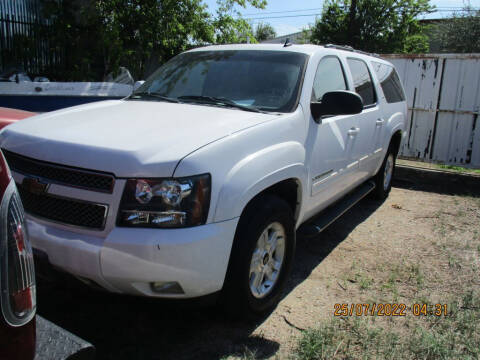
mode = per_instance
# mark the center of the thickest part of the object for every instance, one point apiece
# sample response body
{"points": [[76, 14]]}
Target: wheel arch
{"points": [[289, 190], [396, 141]]}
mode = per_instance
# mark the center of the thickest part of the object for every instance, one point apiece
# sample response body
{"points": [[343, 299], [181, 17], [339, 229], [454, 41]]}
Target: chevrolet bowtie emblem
{"points": [[34, 185]]}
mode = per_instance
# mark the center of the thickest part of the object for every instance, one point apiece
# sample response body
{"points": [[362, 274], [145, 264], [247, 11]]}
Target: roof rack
{"points": [[349, 48]]}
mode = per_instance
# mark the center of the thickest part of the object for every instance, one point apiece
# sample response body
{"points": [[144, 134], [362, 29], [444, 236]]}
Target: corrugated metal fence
{"points": [[22, 45], [443, 93]]}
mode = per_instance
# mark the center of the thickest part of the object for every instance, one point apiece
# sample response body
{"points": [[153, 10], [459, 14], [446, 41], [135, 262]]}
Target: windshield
{"points": [[259, 80]]}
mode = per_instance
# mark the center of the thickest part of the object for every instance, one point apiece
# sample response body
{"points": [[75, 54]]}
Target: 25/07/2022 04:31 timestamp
{"points": [[390, 309]]}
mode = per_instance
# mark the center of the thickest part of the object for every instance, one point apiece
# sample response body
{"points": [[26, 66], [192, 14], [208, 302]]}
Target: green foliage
{"points": [[305, 37], [264, 32], [461, 33], [458, 168], [229, 26], [455, 336], [95, 38], [142, 34], [72, 37], [382, 26]]}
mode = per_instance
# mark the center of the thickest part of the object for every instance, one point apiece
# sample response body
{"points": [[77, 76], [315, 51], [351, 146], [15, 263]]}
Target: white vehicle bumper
{"points": [[129, 259]]}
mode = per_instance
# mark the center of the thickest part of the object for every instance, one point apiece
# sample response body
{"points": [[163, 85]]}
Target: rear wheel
{"points": [[383, 179], [261, 258]]}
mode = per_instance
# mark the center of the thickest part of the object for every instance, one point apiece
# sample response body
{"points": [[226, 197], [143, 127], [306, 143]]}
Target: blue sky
{"points": [[276, 11]]}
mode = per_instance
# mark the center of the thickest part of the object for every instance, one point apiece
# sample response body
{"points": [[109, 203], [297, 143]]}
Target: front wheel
{"points": [[383, 179], [261, 258]]}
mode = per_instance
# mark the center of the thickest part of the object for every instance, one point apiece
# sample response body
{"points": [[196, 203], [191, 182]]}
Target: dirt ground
{"points": [[421, 245]]}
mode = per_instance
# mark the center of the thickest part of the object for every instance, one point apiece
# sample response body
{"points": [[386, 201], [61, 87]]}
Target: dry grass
{"points": [[455, 336], [442, 267]]}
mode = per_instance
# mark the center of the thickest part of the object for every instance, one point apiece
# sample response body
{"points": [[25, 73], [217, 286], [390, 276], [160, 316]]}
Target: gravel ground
{"points": [[421, 243]]}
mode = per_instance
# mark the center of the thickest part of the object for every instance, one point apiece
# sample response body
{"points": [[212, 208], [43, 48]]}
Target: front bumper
{"points": [[127, 260]]}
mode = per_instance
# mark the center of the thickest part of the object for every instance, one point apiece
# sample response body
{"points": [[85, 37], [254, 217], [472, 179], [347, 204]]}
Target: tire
{"points": [[384, 177], [249, 259]]}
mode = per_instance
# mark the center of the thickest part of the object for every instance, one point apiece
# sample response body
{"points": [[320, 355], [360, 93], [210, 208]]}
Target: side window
{"points": [[389, 81], [329, 77], [362, 80]]}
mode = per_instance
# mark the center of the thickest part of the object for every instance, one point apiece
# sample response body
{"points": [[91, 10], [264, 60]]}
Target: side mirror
{"points": [[138, 84], [337, 103]]}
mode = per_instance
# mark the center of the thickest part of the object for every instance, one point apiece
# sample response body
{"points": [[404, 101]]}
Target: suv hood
{"points": [[127, 138]]}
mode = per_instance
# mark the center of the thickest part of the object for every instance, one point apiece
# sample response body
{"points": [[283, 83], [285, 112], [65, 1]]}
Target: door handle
{"points": [[380, 122], [353, 131]]}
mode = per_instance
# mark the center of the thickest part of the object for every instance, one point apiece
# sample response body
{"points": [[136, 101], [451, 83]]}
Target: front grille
{"points": [[64, 210], [60, 174]]}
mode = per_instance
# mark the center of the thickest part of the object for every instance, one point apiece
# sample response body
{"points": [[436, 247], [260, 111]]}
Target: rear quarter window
{"points": [[389, 81]]}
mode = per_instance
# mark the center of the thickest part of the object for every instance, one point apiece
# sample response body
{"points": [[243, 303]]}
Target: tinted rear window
{"points": [[390, 82]]}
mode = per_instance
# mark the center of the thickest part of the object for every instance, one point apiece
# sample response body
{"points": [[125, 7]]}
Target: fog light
{"points": [[155, 218], [136, 217], [171, 287], [169, 218]]}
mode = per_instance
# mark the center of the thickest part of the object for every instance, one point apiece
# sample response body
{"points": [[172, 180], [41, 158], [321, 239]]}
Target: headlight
{"points": [[165, 203]]}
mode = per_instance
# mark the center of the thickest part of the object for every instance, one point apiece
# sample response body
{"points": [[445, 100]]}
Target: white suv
{"points": [[198, 182]]}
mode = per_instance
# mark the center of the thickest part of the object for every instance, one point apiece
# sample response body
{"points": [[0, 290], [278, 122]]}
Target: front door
{"points": [[332, 162]]}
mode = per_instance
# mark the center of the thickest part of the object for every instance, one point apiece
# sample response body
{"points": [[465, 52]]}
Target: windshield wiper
{"points": [[153, 95], [220, 101]]}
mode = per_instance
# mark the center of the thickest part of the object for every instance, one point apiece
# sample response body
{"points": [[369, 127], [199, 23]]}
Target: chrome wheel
{"points": [[388, 172], [267, 260]]}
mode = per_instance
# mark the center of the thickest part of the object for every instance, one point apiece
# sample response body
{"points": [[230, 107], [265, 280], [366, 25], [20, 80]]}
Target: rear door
{"points": [[392, 101], [370, 121]]}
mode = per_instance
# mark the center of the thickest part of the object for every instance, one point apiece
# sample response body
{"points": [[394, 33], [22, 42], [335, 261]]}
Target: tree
{"points": [[72, 40], [97, 37], [264, 32], [140, 34], [229, 26], [383, 26], [461, 33]]}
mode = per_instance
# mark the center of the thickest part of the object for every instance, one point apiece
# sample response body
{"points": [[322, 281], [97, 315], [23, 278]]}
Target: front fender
{"points": [[255, 173]]}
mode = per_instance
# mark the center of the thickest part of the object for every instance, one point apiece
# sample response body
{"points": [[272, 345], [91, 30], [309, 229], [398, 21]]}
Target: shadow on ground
{"points": [[124, 327], [448, 183]]}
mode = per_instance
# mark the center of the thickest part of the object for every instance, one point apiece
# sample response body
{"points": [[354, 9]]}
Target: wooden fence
{"points": [[443, 94]]}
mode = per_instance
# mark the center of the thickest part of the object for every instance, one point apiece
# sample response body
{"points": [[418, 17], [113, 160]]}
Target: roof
{"points": [[306, 49]]}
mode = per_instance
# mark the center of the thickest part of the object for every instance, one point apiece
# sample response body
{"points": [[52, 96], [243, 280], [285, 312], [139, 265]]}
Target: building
{"points": [[301, 37]]}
